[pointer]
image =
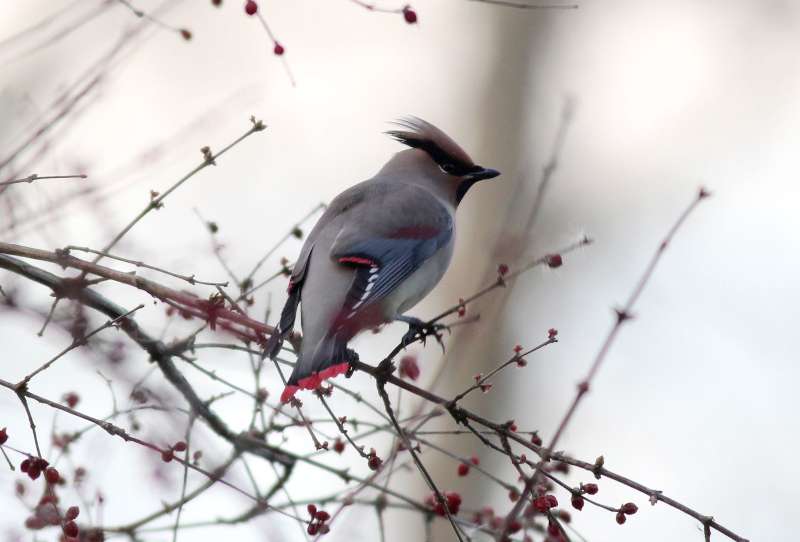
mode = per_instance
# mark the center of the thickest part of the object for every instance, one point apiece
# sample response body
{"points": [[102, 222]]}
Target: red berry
{"points": [[475, 460], [552, 529], [25, 465], [338, 446], [250, 7], [51, 475], [179, 446], [278, 49], [409, 15], [3, 435], [552, 502], [591, 489], [70, 529], [453, 501], [409, 367], [71, 398], [551, 333], [216, 3], [620, 518], [72, 513], [312, 528], [463, 469], [536, 439], [629, 508], [186, 34], [553, 260], [324, 529], [312, 510], [167, 456], [374, 462], [514, 527], [513, 495], [502, 269], [322, 516], [577, 502], [35, 522]]}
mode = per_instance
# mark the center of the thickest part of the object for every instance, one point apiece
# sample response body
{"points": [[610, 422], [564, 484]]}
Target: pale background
{"points": [[698, 396]]}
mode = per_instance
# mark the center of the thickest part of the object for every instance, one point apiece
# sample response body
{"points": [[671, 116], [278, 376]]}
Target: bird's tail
{"points": [[329, 358], [285, 326]]}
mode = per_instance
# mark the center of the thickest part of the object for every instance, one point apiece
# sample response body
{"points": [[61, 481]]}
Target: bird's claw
{"points": [[422, 330], [352, 357]]}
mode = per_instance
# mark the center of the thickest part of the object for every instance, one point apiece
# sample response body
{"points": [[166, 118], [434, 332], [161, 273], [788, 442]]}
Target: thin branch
{"points": [[188, 278], [35, 177], [156, 202], [76, 343], [623, 315], [380, 381], [508, 4]]}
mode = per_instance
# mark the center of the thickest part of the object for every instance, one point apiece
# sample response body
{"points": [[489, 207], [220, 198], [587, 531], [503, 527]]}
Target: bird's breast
{"points": [[420, 283]]}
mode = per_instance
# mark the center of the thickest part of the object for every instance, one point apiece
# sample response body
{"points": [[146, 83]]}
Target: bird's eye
{"points": [[448, 168]]}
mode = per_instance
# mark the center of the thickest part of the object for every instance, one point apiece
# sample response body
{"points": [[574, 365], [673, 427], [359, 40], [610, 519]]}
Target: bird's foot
{"points": [[417, 329], [352, 357]]}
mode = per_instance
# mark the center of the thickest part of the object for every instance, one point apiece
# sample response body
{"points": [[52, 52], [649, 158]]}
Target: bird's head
{"points": [[450, 165]]}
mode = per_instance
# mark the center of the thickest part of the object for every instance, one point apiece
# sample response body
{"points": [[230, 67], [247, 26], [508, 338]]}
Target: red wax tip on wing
{"points": [[356, 260], [288, 393]]}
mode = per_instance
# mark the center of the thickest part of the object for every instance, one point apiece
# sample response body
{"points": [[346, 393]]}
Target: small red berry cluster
{"points": [[577, 494], [69, 527], [71, 399], [463, 468], [35, 466], [318, 524], [451, 498], [409, 367], [168, 454], [373, 461], [627, 509]]}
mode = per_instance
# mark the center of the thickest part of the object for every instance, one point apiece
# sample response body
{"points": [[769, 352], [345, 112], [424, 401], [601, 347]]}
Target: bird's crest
{"points": [[420, 134]]}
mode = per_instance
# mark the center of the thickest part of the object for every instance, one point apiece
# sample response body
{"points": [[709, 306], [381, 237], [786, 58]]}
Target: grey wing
{"points": [[387, 239]]}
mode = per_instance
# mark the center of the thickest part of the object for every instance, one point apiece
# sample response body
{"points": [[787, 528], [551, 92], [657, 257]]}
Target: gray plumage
{"points": [[379, 248]]}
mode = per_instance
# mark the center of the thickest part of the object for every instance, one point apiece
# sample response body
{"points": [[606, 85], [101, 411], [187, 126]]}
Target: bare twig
{"points": [[157, 201], [622, 316], [34, 177], [138, 263]]}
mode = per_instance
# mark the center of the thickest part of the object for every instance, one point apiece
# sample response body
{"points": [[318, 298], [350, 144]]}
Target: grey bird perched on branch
{"points": [[379, 248]]}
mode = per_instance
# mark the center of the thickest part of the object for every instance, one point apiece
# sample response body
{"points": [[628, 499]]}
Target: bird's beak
{"points": [[482, 174]]}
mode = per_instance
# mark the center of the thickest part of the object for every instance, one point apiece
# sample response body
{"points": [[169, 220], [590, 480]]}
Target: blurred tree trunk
{"points": [[492, 230]]}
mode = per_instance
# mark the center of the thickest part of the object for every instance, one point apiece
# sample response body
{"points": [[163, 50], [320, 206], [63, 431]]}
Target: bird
{"points": [[378, 249]]}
